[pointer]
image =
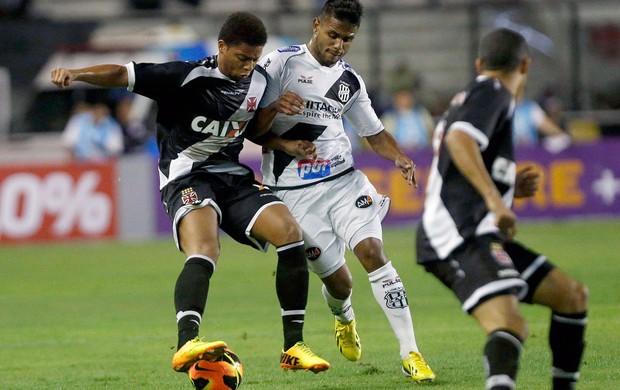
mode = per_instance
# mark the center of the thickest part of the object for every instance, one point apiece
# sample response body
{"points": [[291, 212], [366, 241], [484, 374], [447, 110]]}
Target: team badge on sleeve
{"points": [[344, 92], [252, 103], [189, 196]]}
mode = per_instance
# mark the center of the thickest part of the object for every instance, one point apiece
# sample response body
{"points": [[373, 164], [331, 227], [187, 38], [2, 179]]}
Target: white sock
{"points": [[390, 293], [342, 309]]}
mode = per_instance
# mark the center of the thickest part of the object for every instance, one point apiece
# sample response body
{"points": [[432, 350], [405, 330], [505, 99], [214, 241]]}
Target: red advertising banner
{"points": [[57, 202]]}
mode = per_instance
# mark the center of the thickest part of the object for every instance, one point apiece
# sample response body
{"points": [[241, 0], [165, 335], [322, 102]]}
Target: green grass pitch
{"points": [[100, 316]]}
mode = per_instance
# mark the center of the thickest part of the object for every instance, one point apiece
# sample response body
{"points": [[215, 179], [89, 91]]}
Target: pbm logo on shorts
{"points": [[189, 196], [500, 255], [313, 253], [396, 299], [363, 201]]}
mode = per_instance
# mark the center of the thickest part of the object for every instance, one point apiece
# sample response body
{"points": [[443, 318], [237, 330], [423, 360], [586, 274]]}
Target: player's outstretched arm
{"points": [[107, 76], [384, 144]]}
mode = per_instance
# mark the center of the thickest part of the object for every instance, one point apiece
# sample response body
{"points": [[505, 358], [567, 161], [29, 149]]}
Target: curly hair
{"points": [[243, 27], [349, 11]]}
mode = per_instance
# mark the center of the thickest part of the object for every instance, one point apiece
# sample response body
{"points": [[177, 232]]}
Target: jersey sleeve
{"points": [[361, 114], [274, 66], [156, 81]]}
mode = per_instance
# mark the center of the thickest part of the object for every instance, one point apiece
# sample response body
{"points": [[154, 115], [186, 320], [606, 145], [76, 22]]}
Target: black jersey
{"points": [[201, 115], [453, 210]]}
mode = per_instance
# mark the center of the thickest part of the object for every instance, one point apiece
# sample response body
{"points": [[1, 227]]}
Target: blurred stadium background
{"points": [[428, 43]]}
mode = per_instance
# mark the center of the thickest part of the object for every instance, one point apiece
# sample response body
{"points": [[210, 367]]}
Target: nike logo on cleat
{"points": [[289, 360]]}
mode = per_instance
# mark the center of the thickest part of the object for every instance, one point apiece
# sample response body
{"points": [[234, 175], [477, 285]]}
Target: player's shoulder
{"points": [[346, 67], [207, 62], [282, 54]]}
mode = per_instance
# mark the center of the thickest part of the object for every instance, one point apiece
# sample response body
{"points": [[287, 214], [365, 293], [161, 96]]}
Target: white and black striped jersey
{"points": [[330, 93], [201, 115], [453, 210]]}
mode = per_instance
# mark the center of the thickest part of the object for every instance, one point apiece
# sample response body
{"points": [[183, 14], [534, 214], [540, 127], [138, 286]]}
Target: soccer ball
{"points": [[223, 374]]}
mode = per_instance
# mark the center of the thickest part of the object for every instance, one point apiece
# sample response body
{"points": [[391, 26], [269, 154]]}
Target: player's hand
{"points": [[527, 181], [299, 149], [407, 169], [506, 221], [290, 103], [62, 77]]}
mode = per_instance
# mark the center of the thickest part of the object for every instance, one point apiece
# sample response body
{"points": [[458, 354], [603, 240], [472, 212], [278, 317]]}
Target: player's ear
{"points": [[479, 67], [315, 26], [524, 67], [221, 46]]}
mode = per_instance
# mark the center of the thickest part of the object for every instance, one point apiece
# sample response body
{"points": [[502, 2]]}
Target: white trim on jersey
{"points": [[204, 72], [472, 131], [439, 226], [487, 225], [177, 168], [131, 76]]}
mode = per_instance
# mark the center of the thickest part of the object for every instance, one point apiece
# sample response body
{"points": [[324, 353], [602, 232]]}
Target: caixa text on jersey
{"points": [[228, 129]]}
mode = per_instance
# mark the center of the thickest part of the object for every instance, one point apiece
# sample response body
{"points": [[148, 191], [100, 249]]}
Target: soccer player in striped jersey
{"points": [[204, 109], [335, 204], [466, 233]]}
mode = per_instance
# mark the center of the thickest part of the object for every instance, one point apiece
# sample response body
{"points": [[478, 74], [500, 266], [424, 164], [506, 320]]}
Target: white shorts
{"points": [[331, 213]]}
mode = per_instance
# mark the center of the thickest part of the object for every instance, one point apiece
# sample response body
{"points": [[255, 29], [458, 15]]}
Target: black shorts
{"points": [[237, 199], [488, 267]]}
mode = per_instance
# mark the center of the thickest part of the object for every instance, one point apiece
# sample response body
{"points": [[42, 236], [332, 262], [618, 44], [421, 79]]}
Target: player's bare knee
{"points": [[291, 232], [340, 291], [371, 255], [205, 248], [577, 301], [519, 326]]}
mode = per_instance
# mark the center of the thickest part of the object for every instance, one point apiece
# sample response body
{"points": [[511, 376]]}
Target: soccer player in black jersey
{"points": [[204, 108], [466, 234]]}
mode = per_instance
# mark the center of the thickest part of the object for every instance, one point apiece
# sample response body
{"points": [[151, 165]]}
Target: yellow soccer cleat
{"points": [[195, 350], [415, 367], [300, 357], [348, 341]]}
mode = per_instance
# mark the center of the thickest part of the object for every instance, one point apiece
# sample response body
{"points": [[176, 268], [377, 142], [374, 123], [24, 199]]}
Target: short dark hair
{"points": [[243, 27], [502, 49], [349, 11]]}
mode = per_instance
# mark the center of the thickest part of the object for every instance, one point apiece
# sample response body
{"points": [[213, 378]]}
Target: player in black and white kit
{"points": [[204, 108], [466, 233], [335, 204]]}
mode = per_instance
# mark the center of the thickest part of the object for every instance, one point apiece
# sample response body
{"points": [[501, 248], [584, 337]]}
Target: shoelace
{"points": [[305, 349]]}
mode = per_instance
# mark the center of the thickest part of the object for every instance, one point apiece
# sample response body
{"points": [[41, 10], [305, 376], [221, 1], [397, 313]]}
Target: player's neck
{"points": [[512, 81]]}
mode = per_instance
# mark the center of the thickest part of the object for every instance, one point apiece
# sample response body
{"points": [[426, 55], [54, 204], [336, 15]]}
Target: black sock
{"points": [[566, 339], [292, 288], [190, 296], [501, 354]]}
